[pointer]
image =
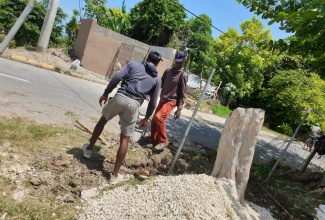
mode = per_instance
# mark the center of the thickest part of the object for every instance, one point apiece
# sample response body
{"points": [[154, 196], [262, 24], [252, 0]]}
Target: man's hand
{"points": [[101, 99], [143, 122], [177, 114]]}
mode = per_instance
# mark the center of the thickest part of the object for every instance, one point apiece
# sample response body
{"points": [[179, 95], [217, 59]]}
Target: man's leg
{"points": [[121, 153], [155, 125], [159, 122], [97, 131]]}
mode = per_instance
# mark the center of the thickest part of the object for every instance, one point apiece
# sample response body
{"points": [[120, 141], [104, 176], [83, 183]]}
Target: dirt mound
{"points": [[53, 56]]}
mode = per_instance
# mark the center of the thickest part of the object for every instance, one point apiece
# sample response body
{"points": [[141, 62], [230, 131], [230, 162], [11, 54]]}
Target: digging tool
{"points": [[101, 138]]}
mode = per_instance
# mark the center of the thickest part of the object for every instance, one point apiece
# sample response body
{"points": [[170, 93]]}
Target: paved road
{"points": [[50, 97]]}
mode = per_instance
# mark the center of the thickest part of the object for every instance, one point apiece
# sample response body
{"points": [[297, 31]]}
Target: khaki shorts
{"points": [[126, 108]]}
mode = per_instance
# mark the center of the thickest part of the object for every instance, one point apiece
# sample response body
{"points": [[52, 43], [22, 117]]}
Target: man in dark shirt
{"points": [[139, 80], [172, 95]]}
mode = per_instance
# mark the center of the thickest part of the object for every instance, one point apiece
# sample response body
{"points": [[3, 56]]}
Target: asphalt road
{"points": [[49, 97]]}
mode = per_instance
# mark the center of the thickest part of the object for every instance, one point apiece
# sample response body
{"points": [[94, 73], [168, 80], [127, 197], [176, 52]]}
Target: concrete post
{"points": [[236, 147], [16, 26], [46, 31]]}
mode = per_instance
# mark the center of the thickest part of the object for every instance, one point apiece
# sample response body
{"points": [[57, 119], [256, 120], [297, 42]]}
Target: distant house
{"points": [[193, 84]]}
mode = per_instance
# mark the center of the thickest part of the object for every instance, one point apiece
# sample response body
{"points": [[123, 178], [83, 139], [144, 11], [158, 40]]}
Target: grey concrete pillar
{"points": [[46, 31]]}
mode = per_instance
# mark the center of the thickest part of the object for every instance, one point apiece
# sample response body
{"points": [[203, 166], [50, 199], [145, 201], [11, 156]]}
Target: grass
{"points": [[31, 209], [221, 110], [31, 137]]}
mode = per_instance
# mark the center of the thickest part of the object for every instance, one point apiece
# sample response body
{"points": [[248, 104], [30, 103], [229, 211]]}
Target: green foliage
{"points": [[289, 94], [229, 93], [29, 32], [12, 43], [155, 21], [197, 95], [72, 28], [221, 110], [305, 19], [285, 129], [114, 19], [240, 57], [199, 44]]}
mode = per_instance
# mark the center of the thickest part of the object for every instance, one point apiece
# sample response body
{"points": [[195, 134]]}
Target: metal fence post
{"points": [[286, 148], [191, 121]]}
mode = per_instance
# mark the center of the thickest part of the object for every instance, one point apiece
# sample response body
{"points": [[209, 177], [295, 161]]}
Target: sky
{"points": [[223, 14]]}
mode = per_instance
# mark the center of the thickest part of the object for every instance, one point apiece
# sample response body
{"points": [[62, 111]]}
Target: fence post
{"points": [[191, 121]]}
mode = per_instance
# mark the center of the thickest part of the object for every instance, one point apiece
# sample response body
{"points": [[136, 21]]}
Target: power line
{"points": [[265, 58]]}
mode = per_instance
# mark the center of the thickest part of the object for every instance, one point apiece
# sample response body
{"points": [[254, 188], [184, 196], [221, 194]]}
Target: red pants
{"points": [[158, 126]]}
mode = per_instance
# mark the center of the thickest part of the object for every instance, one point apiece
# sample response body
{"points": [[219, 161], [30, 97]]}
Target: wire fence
{"points": [[294, 158]]}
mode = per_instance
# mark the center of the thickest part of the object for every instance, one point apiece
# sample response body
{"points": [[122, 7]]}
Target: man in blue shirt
{"points": [[139, 81]]}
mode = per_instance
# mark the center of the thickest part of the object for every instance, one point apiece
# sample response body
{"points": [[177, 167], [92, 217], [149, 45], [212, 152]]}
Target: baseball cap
{"points": [[180, 56]]}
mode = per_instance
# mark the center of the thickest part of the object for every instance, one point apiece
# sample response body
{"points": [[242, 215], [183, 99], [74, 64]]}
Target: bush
{"points": [[12, 43], [221, 110], [285, 129]]}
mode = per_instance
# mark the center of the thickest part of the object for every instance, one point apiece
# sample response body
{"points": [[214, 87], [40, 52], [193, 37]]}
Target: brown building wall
{"points": [[82, 38], [97, 48], [99, 53]]}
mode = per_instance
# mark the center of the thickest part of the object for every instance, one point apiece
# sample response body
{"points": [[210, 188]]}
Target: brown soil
{"points": [[53, 56]]}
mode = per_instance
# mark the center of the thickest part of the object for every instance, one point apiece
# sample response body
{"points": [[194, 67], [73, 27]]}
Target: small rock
{"points": [[68, 199], [81, 217], [141, 173], [35, 181], [89, 193]]}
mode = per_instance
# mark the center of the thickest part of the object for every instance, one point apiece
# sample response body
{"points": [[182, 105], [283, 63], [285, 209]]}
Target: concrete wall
{"points": [[96, 52], [99, 49], [82, 37], [140, 49], [165, 52]]}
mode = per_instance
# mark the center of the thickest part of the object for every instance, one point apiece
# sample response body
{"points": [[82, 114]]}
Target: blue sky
{"points": [[224, 14]]}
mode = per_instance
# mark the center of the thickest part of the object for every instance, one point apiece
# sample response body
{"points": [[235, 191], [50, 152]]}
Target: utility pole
{"points": [[46, 31], [16, 26]]}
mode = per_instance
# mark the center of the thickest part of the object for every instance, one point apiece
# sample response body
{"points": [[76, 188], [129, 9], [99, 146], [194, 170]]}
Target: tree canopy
{"points": [[240, 58], [29, 33], [304, 18], [155, 21]]}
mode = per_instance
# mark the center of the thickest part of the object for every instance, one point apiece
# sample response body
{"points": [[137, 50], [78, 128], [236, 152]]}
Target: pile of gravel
{"points": [[173, 197]]}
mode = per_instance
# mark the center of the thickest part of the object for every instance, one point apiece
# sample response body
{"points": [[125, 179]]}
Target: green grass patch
{"points": [[33, 210], [220, 110], [30, 137]]}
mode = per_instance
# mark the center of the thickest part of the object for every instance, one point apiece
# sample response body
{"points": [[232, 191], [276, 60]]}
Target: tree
{"points": [[72, 28], [30, 30], [289, 94], [304, 18], [155, 21], [199, 44], [110, 18], [241, 59]]}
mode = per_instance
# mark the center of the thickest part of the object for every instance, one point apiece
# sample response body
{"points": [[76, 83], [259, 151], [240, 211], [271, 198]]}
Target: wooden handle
{"points": [[101, 138]]}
